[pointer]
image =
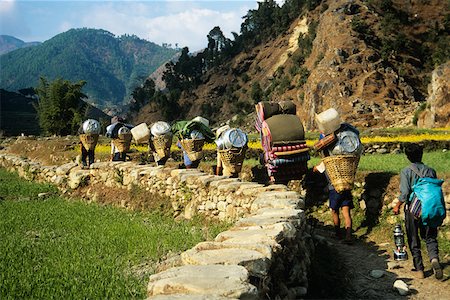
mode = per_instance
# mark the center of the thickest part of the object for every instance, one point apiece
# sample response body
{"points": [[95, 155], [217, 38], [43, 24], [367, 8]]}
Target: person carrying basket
{"points": [[231, 148], [340, 148], [192, 135], [160, 142], [121, 138], [89, 132]]}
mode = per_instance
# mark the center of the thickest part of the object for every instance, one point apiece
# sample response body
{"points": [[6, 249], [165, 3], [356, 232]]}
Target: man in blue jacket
{"points": [[414, 226]]}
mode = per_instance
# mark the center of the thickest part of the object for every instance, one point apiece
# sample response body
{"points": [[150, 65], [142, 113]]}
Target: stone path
{"points": [[361, 258]]}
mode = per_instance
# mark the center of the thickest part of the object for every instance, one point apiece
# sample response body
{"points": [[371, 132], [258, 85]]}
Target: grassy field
{"points": [[58, 248]]}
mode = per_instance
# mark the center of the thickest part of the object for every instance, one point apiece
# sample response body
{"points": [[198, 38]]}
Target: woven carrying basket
{"points": [[162, 144], [193, 148], [341, 170], [123, 142], [233, 159], [233, 156], [89, 141]]}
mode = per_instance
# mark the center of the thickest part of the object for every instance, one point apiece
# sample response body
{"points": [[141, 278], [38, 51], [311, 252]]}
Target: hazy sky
{"points": [[184, 22]]}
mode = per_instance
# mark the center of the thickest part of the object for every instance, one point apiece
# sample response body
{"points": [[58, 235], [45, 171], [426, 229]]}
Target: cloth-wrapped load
{"points": [[283, 140], [193, 135]]}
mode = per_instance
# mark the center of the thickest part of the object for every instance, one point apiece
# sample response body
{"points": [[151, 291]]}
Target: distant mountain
{"points": [[9, 43], [112, 66], [18, 115]]}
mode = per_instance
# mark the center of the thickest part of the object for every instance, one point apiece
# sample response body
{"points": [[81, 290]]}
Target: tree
{"points": [[60, 107], [256, 93], [218, 47], [142, 94]]}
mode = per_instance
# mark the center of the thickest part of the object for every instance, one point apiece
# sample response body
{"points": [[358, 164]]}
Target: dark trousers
{"points": [[87, 156], [119, 156], [428, 234]]}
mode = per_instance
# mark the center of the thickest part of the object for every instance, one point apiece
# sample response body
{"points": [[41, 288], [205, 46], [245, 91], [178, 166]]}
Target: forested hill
{"points": [[112, 66], [9, 43]]}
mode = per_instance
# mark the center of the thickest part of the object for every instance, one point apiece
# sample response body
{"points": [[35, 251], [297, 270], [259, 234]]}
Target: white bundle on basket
{"points": [[141, 133], [123, 142], [91, 126], [91, 129], [160, 128]]}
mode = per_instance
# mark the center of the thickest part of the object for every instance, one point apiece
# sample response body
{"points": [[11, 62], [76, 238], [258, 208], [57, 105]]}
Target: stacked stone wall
{"points": [[266, 253]]}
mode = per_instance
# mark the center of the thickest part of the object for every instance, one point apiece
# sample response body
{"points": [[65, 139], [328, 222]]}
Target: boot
{"points": [[437, 268]]}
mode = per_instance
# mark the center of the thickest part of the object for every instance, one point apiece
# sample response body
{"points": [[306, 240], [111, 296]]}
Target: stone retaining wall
{"points": [[266, 253]]}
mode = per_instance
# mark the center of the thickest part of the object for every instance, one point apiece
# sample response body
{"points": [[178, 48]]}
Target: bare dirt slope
{"points": [[344, 67]]}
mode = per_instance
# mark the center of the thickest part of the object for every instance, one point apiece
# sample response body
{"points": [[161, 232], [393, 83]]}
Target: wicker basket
{"points": [[233, 159], [123, 142], [193, 148], [89, 141], [162, 144], [341, 170]]}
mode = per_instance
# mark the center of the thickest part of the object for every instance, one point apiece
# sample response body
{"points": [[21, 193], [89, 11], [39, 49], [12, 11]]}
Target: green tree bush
{"points": [[60, 107]]}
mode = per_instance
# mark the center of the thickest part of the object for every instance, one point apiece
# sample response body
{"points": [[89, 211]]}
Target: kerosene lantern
{"points": [[399, 240]]}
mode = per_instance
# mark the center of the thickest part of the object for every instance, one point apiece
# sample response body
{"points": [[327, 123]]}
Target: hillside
{"points": [[112, 66], [372, 60], [9, 43]]}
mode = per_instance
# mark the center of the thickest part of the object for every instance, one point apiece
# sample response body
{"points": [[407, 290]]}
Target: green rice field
{"points": [[55, 248]]}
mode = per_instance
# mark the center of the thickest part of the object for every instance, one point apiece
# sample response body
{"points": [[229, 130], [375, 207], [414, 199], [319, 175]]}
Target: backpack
{"points": [[427, 200]]}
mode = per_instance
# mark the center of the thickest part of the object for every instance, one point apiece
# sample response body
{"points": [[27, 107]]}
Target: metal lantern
{"points": [[399, 241]]}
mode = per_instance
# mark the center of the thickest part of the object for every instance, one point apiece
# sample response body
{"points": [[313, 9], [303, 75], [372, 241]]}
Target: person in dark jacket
{"points": [[414, 226]]}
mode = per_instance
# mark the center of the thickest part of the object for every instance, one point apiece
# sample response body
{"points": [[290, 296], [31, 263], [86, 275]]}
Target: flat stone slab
{"points": [[185, 177], [272, 202], [206, 181], [271, 235], [211, 245], [65, 169], [233, 186], [224, 281], [280, 195], [282, 212], [180, 172], [224, 181], [255, 262], [149, 170], [264, 221], [100, 165]]}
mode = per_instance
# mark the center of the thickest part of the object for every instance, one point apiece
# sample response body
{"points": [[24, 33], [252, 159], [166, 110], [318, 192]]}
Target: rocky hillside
{"points": [[112, 66], [372, 60]]}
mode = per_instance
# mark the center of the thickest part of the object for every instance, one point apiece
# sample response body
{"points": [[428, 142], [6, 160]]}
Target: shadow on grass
{"points": [[374, 190]]}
